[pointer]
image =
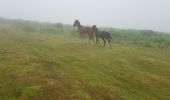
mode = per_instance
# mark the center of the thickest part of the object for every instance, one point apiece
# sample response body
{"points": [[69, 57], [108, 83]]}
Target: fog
{"points": [[133, 14]]}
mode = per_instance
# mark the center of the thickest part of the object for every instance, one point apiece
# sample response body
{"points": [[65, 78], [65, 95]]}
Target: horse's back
{"points": [[89, 29], [106, 34]]}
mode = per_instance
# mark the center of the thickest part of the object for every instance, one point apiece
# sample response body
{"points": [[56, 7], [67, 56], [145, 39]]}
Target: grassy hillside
{"points": [[39, 61]]}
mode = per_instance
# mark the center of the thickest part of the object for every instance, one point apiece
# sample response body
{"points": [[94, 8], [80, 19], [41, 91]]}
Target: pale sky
{"points": [[133, 14]]}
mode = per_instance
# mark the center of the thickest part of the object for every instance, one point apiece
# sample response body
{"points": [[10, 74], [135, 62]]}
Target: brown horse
{"points": [[83, 30]]}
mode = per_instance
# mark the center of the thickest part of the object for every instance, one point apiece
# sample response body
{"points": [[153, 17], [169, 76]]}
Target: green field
{"points": [[39, 61]]}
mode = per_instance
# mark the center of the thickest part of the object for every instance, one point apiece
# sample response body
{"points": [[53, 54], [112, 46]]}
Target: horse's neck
{"points": [[80, 27], [96, 33]]}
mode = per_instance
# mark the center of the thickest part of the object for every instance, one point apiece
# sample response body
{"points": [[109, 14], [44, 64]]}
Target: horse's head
{"points": [[76, 23], [94, 28]]}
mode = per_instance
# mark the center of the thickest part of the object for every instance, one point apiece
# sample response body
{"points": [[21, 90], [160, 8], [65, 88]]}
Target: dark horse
{"points": [[101, 34], [83, 30]]}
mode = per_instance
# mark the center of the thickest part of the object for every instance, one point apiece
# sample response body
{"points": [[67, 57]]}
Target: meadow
{"points": [[39, 61]]}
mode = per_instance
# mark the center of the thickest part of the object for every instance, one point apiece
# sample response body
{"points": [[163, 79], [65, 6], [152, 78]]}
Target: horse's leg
{"points": [[93, 39], [80, 34], [99, 43], [90, 35], [89, 39], [109, 42], [96, 40], [104, 42], [83, 36]]}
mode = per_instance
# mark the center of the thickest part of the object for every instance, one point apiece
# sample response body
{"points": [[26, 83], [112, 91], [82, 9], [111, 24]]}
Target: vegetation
{"points": [[39, 61]]}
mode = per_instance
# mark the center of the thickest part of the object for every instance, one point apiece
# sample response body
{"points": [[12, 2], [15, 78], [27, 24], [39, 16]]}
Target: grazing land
{"points": [[39, 61]]}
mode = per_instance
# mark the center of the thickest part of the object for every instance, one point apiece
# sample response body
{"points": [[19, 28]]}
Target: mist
{"points": [[128, 14]]}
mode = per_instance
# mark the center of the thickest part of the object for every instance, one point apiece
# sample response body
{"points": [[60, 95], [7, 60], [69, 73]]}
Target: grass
{"points": [[37, 65]]}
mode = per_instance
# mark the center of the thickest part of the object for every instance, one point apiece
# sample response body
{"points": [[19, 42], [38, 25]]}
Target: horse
{"points": [[103, 35], [83, 30]]}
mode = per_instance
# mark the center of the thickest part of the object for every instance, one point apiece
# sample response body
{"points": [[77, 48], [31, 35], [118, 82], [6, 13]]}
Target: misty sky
{"points": [[135, 14]]}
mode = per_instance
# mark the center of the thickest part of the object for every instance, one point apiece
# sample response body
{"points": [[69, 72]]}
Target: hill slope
{"points": [[55, 64]]}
